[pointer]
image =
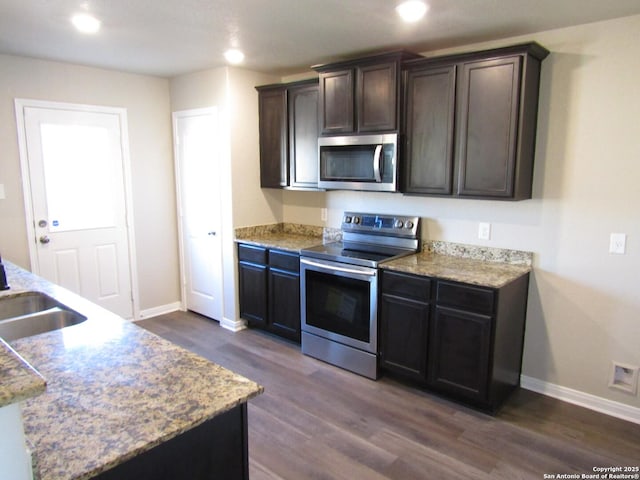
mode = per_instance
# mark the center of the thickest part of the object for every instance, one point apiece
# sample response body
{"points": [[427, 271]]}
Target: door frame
{"points": [[20, 105], [175, 116]]}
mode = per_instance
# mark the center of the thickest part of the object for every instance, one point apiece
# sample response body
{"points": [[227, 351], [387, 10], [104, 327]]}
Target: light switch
{"points": [[484, 231], [617, 243], [2, 196]]}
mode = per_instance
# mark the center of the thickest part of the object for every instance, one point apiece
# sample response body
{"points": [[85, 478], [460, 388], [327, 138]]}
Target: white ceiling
{"points": [[171, 37]]}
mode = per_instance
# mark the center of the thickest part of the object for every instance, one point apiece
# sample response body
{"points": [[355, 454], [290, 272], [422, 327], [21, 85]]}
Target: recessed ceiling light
{"points": [[86, 23], [412, 11], [234, 56]]}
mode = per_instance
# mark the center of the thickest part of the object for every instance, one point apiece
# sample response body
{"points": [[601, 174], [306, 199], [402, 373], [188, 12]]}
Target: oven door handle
{"points": [[369, 273]]}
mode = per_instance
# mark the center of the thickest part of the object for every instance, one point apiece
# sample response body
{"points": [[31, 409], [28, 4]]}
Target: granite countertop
{"points": [[289, 237], [466, 270], [477, 265], [18, 379], [113, 390]]}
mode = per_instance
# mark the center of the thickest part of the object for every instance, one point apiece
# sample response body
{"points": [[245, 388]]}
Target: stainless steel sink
{"points": [[31, 313], [25, 303]]}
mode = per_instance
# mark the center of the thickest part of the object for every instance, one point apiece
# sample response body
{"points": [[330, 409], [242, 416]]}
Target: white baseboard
{"points": [[576, 397], [161, 310], [233, 325]]}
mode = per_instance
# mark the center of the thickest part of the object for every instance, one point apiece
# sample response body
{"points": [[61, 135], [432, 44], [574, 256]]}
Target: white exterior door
{"points": [[73, 160], [198, 185]]}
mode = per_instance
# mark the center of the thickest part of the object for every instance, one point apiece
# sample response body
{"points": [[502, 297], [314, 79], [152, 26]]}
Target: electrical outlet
{"points": [[624, 377], [617, 243], [323, 214], [484, 231]]}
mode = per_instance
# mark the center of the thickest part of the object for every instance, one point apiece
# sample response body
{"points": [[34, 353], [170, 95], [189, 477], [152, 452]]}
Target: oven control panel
{"points": [[380, 223]]}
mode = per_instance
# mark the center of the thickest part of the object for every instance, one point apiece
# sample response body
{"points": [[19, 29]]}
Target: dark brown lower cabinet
{"points": [[269, 289], [459, 349], [464, 341], [284, 303], [253, 293], [404, 326], [404, 313], [215, 449]]}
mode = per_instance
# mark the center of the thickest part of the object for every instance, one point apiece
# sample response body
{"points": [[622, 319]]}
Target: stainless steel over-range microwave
{"points": [[358, 162]]}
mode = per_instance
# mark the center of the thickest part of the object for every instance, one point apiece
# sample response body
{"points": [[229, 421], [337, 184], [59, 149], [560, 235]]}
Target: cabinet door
{"points": [[284, 303], [272, 112], [253, 292], [487, 133], [377, 97], [403, 336], [459, 349], [303, 136], [336, 101], [430, 110]]}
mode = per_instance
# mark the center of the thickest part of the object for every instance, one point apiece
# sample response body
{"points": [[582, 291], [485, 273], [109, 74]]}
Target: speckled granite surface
{"points": [[459, 269], [284, 236], [114, 390], [473, 264], [18, 379], [476, 252]]}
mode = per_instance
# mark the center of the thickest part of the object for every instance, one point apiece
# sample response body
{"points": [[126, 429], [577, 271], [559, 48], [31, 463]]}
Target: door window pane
{"points": [[79, 177]]}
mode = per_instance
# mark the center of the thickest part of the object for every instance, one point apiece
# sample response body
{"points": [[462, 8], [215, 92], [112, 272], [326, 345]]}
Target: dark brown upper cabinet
{"points": [[361, 96], [336, 101], [302, 100], [288, 128], [272, 113], [429, 130], [470, 123]]}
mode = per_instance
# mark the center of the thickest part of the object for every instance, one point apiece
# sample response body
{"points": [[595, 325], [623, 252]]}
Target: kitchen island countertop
{"points": [[18, 379], [113, 390]]}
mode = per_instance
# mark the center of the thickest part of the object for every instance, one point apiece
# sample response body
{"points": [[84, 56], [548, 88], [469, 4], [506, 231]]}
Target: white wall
{"points": [[583, 302], [252, 205], [147, 102], [232, 90]]}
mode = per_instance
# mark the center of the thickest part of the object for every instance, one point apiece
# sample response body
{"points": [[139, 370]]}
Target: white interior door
{"points": [[198, 179], [76, 193]]}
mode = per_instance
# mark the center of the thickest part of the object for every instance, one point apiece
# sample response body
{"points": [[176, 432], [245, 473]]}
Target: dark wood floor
{"points": [[315, 421]]}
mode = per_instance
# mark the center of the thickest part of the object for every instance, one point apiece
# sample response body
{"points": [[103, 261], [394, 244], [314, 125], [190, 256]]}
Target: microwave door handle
{"points": [[376, 163]]}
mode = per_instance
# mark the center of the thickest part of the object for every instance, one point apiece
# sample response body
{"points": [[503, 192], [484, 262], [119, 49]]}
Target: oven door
{"points": [[339, 302]]}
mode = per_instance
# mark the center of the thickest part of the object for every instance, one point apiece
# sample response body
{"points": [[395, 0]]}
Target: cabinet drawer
{"points": [[284, 260], [408, 286], [251, 253], [465, 297]]}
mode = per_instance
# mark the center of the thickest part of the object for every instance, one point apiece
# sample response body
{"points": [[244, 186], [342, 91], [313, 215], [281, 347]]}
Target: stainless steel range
{"points": [[339, 288]]}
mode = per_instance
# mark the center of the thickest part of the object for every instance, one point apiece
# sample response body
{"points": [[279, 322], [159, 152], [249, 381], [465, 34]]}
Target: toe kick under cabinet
{"points": [[462, 340]]}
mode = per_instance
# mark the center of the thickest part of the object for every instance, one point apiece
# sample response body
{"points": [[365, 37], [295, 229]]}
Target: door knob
{"points": [[211, 233], [44, 239]]}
